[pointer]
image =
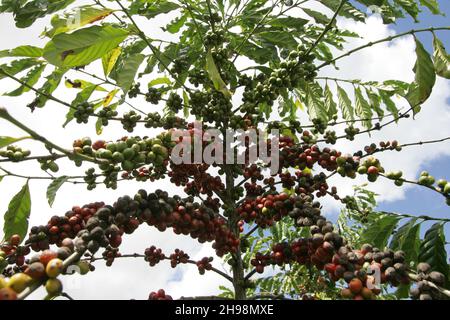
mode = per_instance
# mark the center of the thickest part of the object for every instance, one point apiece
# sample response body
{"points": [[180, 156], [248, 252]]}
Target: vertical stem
{"points": [[238, 268]]}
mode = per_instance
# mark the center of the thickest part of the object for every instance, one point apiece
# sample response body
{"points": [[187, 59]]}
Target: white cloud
{"points": [[135, 279]]}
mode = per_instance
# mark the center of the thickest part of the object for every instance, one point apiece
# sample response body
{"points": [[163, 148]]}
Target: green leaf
{"points": [[375, 102], [432, 250], [215, 77], [390, 105], [83, 46], [158, 81], [379, 230], [82, 16], [410, 7], [314, 102], [17, 66], [54, 187], [175, 25], [289, 22], [441, 59], [6, 141], [407, 238], [185, 104], [347, 10], [317, 16], [402, 291], [30, 79], [16, 217], [52, 83], [23, 51], [345, 104], [363, 109], [81, 97], [36, 9], [126, 69], [109, 60], [424, 79], [432, 5], [281, 39], [151, 8]]}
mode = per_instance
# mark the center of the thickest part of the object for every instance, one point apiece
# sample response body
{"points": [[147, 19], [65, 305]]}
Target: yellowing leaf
{"points": [[215, 77], [109, 60], [110, 96]]}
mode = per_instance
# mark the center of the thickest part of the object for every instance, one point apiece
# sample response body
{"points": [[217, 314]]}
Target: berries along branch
{"points": [[255, 220]]}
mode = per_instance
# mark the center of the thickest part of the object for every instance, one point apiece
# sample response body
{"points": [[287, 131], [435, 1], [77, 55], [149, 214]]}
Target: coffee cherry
{"points": [[355, 285], [54, 268], [19, 282], [47, 256], [54, 287], [35, 270], [7, 294]]}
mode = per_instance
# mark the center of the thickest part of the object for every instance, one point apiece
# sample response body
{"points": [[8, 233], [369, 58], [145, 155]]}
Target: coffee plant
{"points": [[242, 65]]}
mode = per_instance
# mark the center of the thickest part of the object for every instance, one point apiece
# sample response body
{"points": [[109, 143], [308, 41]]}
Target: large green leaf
{"points": [[441, 59], [345, 104], [75, 20], [375, 102], [317, 16], [424, 79], [215, 77], [125, 71], [83, 46], [407, 238], [22, 51], [315, 102], [390, 105], [30, 79], [16, 217], [363, 109], [6, 141], [54, 187], [330, 104], [379, 230], [432, 249]]}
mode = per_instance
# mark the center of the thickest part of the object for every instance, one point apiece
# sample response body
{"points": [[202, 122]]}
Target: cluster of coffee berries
{"points": [[105, 114], [372, 167], [44, 267], [305, 156], [59, 228], [153, 95], [110, 254], [426, 179], [174, 103], [90, 178], [427, 281], [129, 152], [178, 257], [198, 77], [180, 65], [159, 295], [83, 111], [212, 106], [214, 38], [11, 252], [204, 265], [330, 136], [348, 165], [383, 145], [351, 132], [14, 153], [396, 176], [153, 256], [130, 120], [134, 91]]}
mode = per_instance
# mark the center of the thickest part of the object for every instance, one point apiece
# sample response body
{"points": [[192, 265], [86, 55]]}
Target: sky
{"points": [[129, 278]]}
